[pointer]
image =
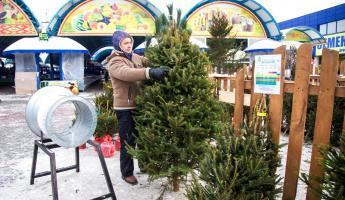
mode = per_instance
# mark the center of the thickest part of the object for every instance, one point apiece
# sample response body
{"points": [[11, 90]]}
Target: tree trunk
{"points": [[176, 183]]}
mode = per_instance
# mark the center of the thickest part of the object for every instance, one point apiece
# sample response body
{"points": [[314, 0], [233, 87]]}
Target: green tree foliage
{"points": [[106, 119], [337, 120], [163, 23], [237, 168], [222, 46], [178, 114], [332, 185]]}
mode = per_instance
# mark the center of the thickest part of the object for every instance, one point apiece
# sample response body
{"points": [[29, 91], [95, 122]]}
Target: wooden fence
{"points": [[327, 85]]}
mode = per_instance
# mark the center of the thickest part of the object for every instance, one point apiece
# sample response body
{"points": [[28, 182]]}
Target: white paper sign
{"points": [[267, 76]]}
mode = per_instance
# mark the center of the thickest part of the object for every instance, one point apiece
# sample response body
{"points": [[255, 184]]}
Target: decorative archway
{"points": [[92, 22], [102, 17], [249, 18]]}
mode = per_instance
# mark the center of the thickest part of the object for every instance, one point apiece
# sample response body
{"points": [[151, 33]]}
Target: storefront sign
{"points": [[66, 84], [43, 36], [13, 21], [335, 42], [267, 76], [245, 24], [103, 17]]}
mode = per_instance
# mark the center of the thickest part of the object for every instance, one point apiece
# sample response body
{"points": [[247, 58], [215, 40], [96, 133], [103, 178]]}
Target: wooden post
{"points": [[324, 114], [239, 99], [342, 68], [298, 117], [276, 100], [224, 84], [253, 96]]}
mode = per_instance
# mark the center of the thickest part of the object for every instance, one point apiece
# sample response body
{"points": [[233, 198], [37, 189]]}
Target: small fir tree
{"points": [[239, 167], [104, 100], [236, 168], [332, 184], [222, 46], [177, 115], [106, 119]]}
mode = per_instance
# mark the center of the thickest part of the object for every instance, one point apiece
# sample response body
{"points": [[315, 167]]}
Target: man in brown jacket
{"points": [[126, 70]]}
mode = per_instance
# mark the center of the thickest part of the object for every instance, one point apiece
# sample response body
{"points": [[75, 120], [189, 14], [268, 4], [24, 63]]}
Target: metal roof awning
{"points": [[303, 34]]}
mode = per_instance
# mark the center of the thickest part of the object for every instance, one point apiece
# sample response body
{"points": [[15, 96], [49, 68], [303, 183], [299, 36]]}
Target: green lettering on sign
{"points": [[43, 36]]}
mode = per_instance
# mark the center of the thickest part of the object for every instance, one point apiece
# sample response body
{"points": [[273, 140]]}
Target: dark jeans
{"points": [[127, 132]]}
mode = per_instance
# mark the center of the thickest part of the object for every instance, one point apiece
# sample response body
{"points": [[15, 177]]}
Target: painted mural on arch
{"points": [[13, 21], [245, 24], [102, 17]]}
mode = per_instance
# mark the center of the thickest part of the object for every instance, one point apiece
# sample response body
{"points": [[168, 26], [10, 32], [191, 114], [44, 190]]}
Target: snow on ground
{"points": [[305, 164], [16, 148]]}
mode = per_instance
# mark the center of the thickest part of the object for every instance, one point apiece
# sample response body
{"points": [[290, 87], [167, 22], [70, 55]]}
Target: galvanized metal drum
{"points": [[51, 101]]}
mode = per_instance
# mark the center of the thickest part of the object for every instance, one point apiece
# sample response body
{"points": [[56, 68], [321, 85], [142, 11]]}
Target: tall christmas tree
{"points": [[223, 46], [176, 116]]}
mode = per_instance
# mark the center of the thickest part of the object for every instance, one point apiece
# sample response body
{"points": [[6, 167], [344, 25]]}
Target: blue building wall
{"points": [[315, 19]]}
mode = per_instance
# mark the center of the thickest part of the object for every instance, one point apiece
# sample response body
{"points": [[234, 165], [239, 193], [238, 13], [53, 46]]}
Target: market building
{"points": [[330, 23], [91, 24]]}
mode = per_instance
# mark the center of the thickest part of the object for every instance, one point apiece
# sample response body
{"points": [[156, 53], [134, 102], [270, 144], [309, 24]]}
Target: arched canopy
{"points": [[303, 34], [102, 53], [102, 17], [249, 18]]}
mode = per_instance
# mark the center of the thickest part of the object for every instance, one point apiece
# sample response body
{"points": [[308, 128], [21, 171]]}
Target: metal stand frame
{"points": [[46, 148]]}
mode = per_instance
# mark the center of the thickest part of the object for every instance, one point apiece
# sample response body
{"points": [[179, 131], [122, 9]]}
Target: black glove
{"points": [[158, 73]]}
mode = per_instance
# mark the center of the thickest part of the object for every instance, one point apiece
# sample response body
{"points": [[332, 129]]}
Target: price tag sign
{"points": [[267, 76]]}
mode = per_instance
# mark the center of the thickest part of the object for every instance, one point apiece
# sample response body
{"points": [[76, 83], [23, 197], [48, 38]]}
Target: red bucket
{"points": [[108, 149]]}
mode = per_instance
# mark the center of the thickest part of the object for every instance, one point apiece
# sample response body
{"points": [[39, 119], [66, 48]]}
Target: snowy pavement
{"points": [[16, 149]]}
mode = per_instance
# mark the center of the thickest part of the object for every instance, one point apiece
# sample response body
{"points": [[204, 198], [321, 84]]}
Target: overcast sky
{"points": [[280, 9]]}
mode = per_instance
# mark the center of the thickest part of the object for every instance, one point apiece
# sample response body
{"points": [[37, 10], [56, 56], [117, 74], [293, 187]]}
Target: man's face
{"points": [[126, 45]]}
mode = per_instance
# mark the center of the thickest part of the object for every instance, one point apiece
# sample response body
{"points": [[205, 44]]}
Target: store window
{"points": [[323, 29], [341, 26], [331, 27]]}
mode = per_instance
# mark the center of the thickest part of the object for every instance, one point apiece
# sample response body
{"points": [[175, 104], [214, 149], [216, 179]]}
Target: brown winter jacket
{"points": [[125, 77]]}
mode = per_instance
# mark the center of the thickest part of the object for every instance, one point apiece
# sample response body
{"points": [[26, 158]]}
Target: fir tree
{"points": [[332, 184], [106, 119], [222, 46], [237, 168], [104, 100], [177, 115]]}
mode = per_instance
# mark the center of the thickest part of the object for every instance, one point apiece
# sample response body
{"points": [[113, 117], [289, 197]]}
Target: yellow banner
{"points": [[103, 17], [13, 21], [335, 42], [245, 24]]}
